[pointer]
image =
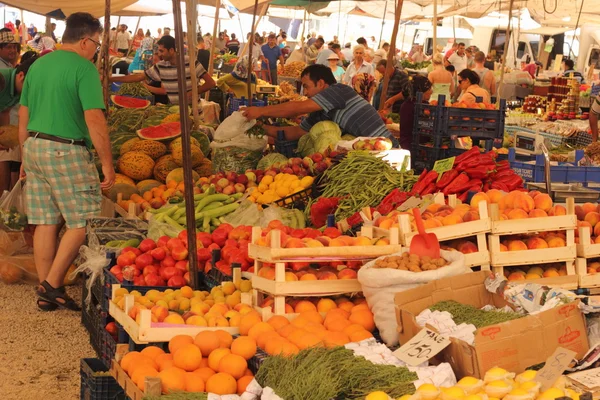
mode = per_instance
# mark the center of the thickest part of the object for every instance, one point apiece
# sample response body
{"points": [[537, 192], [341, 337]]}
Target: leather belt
{"points": [[40, 135]]}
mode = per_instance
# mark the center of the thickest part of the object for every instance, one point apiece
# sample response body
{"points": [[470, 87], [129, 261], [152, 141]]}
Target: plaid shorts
{"points": [[62, 181]]}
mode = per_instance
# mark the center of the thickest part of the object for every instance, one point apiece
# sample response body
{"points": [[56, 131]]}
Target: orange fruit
{"points": [[359, 306], [152, 352], [360, 335], [278, 321], [336, 324], [305, 305], [263, 338], [127, 359], [286, 331], [248, 372], [221, 384], [275, 346], [350, 329], [289, 349], [333, 339], [337, 312], [204, 362], [300, 321], [140, 374], [296, 336], [178, 341], [207, 341], [233, 365], [193, 383], [172, 379], [313, 327], [309, 340], [244, 346], [258, 328], [363, 318], [215, 357], [188, 357], [242, 383], [346, 306], [225, 338], [164, 361], [248, 321], [204, 373], [312, 316], [140, 360]]}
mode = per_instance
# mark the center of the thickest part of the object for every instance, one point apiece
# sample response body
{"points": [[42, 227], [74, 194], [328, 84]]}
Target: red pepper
{"points": [[463, 196], [467, 185], [486, 186], [473, 151], [392, 201], [475, 162], [460, 180], [475, 189], [446, 178], [420, 186], [502, 165], [500, 186], [481, 172], [515, 182], [422, 176], [429, 189]]}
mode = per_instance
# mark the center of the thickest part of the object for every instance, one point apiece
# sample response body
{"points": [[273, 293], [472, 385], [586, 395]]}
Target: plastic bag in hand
{"points": [[232, 133]]}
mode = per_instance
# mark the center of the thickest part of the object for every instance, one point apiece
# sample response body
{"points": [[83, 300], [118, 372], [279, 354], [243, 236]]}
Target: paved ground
{"points": [[39, 352]]}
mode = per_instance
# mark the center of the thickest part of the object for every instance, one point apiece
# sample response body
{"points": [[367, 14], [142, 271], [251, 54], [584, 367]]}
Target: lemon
{"points": [[496, 374], [552, 393], [498, 389], [518, 394], [532, 387], [428, 391], [272, 185], [282, 191], [470, 384], [572, 394], [377, 396], [452, 393], [267, 179], [298, 189], [405, 397], [307, 181], [263, 187], [278, 177]]}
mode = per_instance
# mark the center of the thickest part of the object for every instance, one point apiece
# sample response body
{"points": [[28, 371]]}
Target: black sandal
{"points": [[43, 305], [57, 296]]}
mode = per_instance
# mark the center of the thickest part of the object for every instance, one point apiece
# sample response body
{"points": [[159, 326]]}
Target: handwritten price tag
{"points": [[423, 346], [442, 166], [555, 366]]}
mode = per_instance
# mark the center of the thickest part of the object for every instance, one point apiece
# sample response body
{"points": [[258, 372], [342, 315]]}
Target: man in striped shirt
{"points": [[165, 71], [327, 101], [594, 112]]}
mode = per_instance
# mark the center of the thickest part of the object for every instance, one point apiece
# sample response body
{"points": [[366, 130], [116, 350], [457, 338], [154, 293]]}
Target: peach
{"points": [[550, 273], [589, 207], [562, 271], [478, 198], [524, 202], [443, 213], [536, 243], [337, 242], [471, 216], [556, 241], [596, 240], [294, 243], [516, 276], [386, 223], [583, 224], [593, 218], [160, 313], [495, 195], [509, 199], [290, 276], [267, 273], [313, 243], [347, 273], [326, 276], [382, 242], [595, 265], [452, 219], [533, 194], [507, 211], [325, 240], [516, 245], [532, 276], [557, 210], [543, 202], [503, 247], [579, 212], [362, 241], [467, 247], [537, 213], [591, 271], [349, 240], [434, 207], [518, 213], [283, 238], [503, 217], [432, 223]]}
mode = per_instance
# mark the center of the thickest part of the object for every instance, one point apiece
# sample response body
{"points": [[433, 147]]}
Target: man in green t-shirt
{"points": [[61, 116]]}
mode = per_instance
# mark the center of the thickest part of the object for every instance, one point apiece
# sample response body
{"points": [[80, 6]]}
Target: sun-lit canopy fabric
{"points": [[145, 8], [68, 7]]}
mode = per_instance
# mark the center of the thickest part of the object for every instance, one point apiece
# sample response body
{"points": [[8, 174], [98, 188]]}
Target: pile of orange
{"points": [[211, 362], [279, 336]]}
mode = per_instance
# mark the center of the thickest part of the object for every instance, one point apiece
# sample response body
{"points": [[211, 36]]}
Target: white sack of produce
{"points": [[380, 285], [232, 133]]}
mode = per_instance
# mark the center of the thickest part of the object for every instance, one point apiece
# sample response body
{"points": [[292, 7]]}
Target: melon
{"points": [[151, 147], [128, 145], [147, 184], [203, 141], [177, 175], [120, 178], [197, 156], [163, 166], [136, 165], [126, 190], [170, 118], [168, 131], [129, 102], [177, 143], [204, 169]]}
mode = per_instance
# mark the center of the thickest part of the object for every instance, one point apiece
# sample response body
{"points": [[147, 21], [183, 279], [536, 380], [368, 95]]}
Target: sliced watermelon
{"points": [[129, 102], [168, 131]]}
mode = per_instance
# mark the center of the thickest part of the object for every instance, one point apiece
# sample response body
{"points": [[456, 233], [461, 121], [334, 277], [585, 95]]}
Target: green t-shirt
{"points": [[58, 89], [8, 96]]}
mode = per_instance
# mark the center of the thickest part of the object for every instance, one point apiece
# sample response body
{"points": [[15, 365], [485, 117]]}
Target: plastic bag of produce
{"points": [[12, 210], [236, 159], [248, 214], [380, 285], [17, 269], [232, 133]]}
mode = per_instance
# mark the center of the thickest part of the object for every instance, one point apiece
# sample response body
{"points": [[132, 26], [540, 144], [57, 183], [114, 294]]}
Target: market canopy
{"points": [[68, 7], [145, 8]]}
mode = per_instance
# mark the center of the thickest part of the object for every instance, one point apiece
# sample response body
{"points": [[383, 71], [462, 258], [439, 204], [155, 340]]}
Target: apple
{"points": [[117, 271], [153, 280], [229, 189], [317, 157], [168, 272], [146, 245], [205, 238], [203, 255], [182, 266], [179, 253], [126, 258], [168, 262], [222, 183], [174, 242], [162, 241], [231, 176], [243, 179], [239, 187], [139, 281], [251, 176], [150, 270]]}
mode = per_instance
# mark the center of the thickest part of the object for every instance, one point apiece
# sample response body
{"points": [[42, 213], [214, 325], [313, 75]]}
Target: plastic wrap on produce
{"points": [[93, 260], [247, 214], [104, 230], [440, 375], [442, 321], [156, 229]]}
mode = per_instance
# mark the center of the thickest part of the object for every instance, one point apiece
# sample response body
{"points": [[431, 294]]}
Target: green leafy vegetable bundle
{"points": [[135, 89], [462, 313]]}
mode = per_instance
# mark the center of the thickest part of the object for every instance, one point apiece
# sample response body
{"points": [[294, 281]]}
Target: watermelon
{"points": [[167, 131], [129, 102]]}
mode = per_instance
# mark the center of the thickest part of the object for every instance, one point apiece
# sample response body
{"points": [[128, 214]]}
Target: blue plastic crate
{"points": [[235, 103], [424, 156], [98, 387], [108, 344], [94, 319], [286, 147], [533, 171]]}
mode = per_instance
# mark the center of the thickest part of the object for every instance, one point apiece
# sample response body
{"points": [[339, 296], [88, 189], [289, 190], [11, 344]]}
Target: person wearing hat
{"points": [[237, 81], [9, 49], [332, 48], [338, 71]]}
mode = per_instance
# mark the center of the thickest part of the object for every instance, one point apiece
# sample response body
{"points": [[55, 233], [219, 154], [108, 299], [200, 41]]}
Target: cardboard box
{"points": [[513, 345]]}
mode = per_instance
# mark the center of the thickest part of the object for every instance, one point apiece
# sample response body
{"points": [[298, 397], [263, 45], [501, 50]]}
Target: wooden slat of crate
{"points": [[532, 225], [585, 249], [152, 384], [586, 280], [480, 258], [569, 282], [303, 288], [527, 257]]}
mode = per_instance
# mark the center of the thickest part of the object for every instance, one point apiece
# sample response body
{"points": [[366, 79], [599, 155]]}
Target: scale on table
{"points": [[526, 143], [266, 89]]}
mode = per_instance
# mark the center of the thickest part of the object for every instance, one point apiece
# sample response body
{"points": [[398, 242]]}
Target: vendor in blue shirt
{"points": [[327, 101], [272, 53]]}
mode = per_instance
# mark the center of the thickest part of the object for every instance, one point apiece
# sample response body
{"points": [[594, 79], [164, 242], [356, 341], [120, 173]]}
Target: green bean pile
{"points": [[321, 373], [362, 180], [462, 313], [135, 89]]}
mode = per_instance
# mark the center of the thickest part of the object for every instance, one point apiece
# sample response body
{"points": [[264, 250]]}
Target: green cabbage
{"points": [[306, 145], [322, 135], [271, 159]]}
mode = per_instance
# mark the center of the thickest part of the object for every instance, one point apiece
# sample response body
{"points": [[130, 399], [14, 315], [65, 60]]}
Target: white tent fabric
{"points": [[68, 7], [145, 8]]}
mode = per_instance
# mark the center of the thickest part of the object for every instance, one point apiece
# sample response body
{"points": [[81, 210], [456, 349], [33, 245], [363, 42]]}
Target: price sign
{"points": [[423, 346], [442, 166], [554, 367], [589, 379]]}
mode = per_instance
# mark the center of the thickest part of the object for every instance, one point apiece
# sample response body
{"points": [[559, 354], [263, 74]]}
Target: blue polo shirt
{"points": [[271, 54]]}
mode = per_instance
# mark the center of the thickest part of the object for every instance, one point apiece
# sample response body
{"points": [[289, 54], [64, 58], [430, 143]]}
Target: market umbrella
{"points": [[68, 7]]}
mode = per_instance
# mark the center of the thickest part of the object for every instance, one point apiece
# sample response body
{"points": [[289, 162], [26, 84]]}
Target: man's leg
{"points": [[4, 176], [44, 249], [68, 250], [274, 76]]}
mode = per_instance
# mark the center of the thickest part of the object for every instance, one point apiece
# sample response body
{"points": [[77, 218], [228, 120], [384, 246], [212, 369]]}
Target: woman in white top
{"points": [[441, 80], [359, 65]]}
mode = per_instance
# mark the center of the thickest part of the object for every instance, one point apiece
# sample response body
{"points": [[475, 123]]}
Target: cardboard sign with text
{"points": [[554, 367], [422, 347]]}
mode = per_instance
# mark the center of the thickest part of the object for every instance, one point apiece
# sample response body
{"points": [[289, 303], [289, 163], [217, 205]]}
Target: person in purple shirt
{"points": [[272, 53]]}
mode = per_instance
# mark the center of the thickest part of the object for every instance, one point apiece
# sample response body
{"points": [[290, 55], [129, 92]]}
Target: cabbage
{"points": [[306, 145], [271, 159], [322, 135]]}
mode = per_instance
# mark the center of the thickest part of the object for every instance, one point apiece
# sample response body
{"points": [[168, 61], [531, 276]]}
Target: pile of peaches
{"points": [[294, 305], [542, 240], [331, 237], [550, 270], [305, 271], [588, 214], [521, 205]]}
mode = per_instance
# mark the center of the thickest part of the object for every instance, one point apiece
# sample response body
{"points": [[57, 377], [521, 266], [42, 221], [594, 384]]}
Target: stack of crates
{"points": [[436, 126]]}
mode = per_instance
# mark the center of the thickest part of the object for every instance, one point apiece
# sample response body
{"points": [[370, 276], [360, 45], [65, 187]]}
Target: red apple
{"points": [[126, 258], [167, 273], [174, 242], [204, 238], [203, 254], [176, 281], [117, 271], [153, 280], [167, 262], [182, 266], [243, 179], [139, 281]]}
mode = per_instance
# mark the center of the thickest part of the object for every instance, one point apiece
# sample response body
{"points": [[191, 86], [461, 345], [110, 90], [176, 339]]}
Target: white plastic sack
{"points": [[232, 133], [380, 285]]}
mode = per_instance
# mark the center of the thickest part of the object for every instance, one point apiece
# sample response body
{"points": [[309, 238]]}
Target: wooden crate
{"points": [[277, 253], [532, 225], [278, 306], [528, 257], [569, 282], [584, 248], [586, 281], [152, 384], [151, 332]]}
